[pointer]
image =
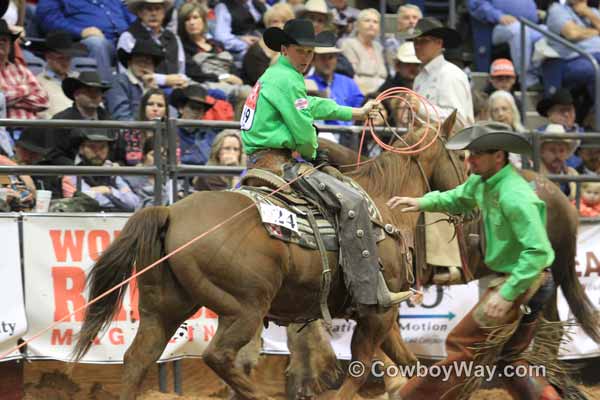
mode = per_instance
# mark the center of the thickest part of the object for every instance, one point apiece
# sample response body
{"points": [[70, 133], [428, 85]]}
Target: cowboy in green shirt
{"points": [[277, 120], [278, 113], [517, 247]]}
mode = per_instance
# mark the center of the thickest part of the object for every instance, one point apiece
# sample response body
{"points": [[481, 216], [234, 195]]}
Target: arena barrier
{"points": [[59, 249]]}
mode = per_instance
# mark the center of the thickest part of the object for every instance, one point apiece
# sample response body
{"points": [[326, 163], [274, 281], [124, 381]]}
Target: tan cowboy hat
{"points": [[406, 53], [557, 128], [490, 136], [134, 5], [314, 6]]}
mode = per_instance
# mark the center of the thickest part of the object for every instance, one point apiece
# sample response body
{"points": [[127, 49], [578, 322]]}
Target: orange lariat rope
{"points": [[401, 93]]}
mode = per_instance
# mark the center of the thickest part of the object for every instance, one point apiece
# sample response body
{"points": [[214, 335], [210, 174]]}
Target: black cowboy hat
{"points": [[561, 97], [35, 139], [60, 42], [490, 136], [195, 93], [80, 135], [296, 31], [85, 78], [430, 26], [142, 47], [5, 31]]}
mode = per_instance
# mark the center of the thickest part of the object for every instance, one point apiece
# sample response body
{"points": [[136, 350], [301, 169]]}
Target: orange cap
{"points": [[502, 67]]}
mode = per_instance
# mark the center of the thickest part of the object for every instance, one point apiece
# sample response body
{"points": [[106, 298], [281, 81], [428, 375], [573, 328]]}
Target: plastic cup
{"points": [[42, 203]]}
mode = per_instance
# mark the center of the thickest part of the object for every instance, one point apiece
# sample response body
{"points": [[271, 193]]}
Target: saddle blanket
{"points": [[285, 217]]}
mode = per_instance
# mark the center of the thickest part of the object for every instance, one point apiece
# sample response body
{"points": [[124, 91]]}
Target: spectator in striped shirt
{"points": [[24, 95]]}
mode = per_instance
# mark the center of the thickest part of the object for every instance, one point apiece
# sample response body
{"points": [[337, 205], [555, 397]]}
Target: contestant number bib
{"points": [[272, 214], [250, 108]]}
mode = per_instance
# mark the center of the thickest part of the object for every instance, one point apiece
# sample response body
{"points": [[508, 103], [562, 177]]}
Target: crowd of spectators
{"points": [[198, 60]]}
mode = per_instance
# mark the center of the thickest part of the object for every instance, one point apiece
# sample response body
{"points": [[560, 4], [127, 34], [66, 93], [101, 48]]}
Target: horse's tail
{"points": [[565, 275], [139, 244]]}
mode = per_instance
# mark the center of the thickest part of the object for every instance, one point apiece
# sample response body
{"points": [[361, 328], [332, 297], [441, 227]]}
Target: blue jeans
{"points": [[103, 50], [579, 72], [511, 34]]}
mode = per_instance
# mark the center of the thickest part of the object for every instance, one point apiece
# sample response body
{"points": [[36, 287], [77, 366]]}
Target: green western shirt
{"points": [[514, 220], [278, 113]]}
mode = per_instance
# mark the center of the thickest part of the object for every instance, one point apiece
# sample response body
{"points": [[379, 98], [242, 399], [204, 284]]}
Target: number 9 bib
{"points": [[250, 108]]}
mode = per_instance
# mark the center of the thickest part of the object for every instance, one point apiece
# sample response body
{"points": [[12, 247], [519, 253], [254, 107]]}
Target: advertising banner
{"points": [[12, 313], [588, 271], [59, 251]]}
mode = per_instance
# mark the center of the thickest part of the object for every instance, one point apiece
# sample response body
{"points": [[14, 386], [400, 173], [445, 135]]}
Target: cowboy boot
{"points": [[385, 298], [530, 387]]}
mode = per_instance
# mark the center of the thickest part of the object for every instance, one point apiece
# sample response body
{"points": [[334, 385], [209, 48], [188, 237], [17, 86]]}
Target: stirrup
{"points": [[449, 276], [385, 298]]}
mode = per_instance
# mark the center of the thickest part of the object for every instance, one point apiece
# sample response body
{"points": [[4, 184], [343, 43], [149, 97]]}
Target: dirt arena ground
{"points": [[50, 380]]}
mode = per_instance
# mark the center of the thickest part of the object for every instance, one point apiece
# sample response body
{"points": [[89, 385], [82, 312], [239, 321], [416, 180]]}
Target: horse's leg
{"points": [[394, 347], [368, 335], [247, 357], [313, 363], [156, 328], [233, 333]]}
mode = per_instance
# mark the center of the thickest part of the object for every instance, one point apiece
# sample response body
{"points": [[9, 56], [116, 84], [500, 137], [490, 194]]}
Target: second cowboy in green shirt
{"points": [[277, 121], [517, 247]]}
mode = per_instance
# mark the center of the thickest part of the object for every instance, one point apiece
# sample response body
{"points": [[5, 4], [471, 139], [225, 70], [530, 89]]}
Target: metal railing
{"points": [[164, 168], [526, 23]]}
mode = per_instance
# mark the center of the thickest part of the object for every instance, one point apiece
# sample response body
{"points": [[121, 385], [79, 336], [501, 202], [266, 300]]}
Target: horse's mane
{"points": [[386, 174]]}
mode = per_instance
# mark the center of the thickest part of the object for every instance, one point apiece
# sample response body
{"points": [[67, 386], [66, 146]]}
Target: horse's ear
{"points": [[448, 125]]}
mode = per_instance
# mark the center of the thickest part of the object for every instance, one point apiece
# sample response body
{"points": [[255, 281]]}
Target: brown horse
{"points": [[244, 276]]}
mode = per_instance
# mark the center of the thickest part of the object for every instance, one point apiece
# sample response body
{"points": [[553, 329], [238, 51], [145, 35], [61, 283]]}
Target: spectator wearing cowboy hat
{"points": [[34, 147], [111, 192], [554, 154], [406, 66], [97, 24], [194, 143], [86, 91], [329, 84], [24, 95], [123, 97], [442, 83], [149, 26], [316, 11], [518, 248], [58, 49], [589, 152], [559, 108], [238, 24]]}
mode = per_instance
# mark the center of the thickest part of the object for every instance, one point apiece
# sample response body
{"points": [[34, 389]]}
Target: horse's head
{"points": [[444, 169]]}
